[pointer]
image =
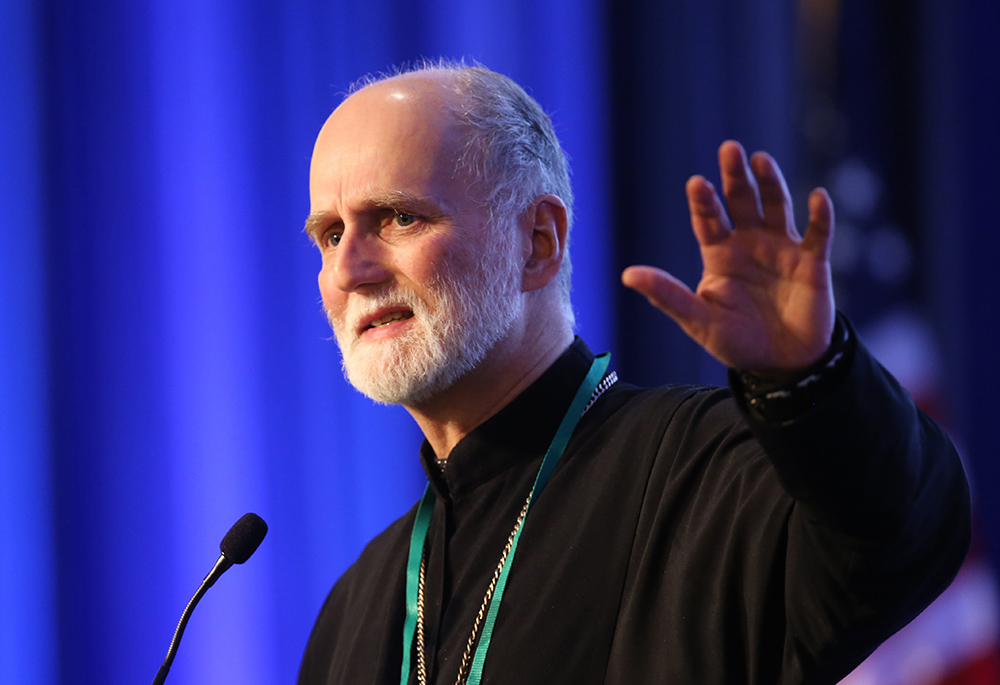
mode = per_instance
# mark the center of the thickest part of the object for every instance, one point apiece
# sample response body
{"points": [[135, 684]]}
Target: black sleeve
{"points": [[881, 521]]}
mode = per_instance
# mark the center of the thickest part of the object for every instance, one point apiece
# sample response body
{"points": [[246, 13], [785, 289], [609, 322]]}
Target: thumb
{"points": [[666, 293]]}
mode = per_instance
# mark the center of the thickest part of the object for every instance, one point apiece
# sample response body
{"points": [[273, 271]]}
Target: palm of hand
{"points": [[765, 302]]}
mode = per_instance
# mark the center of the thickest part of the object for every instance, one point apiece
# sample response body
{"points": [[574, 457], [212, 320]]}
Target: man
{"points": [[684, 537]]}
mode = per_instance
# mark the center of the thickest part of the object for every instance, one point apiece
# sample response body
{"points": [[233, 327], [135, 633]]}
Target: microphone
{"points": [[240, 542]]}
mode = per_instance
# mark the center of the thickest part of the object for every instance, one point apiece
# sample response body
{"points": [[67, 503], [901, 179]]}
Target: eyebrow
{"points": [[389, 200], [398, 198], [314, 221]]}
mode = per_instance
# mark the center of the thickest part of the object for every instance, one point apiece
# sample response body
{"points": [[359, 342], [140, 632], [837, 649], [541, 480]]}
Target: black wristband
{"points": [[785, 401]]}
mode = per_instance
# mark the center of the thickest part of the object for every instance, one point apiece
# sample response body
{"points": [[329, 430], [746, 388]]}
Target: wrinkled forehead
{"points": [[399, 135], [393, 134]]}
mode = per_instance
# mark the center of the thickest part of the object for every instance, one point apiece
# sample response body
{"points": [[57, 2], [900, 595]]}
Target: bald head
{"points": [[472, 123]]}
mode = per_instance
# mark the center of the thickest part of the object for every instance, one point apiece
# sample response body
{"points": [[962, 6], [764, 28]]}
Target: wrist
{"points": [[784, 397]]}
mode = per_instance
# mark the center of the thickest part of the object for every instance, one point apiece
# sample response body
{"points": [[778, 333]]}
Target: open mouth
{"points": [[391, 317]]}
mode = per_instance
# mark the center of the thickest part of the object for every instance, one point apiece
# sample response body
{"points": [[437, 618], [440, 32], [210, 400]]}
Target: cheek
{"points": [[329, 292], [454, 257]]}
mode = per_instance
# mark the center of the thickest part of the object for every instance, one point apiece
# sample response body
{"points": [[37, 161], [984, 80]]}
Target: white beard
{"points": [[466, 315]]}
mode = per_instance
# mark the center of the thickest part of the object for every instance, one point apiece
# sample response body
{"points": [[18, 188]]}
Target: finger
{"points": [[819, 233], [739, 186], [775, 200], [668, 294], [708, 216]]}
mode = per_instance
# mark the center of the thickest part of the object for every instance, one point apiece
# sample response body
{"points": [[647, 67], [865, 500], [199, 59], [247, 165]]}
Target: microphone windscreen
{"points": [[243, 538]]}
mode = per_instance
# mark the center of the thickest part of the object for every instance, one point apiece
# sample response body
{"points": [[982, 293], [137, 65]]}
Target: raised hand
{"points": [[765, 300]]}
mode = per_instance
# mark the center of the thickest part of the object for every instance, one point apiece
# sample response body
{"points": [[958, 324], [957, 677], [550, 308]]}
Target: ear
{"points": [[544, 230]]}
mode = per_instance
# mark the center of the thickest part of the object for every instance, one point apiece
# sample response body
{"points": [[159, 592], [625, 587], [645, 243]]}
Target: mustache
{"points": [[362, 306]]}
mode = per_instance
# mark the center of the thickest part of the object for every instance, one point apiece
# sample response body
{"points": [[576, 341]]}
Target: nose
{"points": [[357, 262]]}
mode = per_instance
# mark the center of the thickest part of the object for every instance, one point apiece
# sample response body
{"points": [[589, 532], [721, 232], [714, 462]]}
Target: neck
{"points": [[508, 369]]}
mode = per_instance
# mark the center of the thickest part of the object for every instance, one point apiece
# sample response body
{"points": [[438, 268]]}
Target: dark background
{"points": [[164, 363]]}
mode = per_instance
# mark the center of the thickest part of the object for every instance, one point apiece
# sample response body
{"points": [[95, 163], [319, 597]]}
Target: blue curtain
{"points": [[27, 566], [165, 365]]}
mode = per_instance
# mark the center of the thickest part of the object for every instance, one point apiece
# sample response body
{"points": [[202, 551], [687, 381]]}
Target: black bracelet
{"points": [[787, 400]]}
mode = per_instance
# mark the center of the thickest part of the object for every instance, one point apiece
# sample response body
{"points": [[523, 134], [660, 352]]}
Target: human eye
{"points": [[330, 238], [405, 219]]}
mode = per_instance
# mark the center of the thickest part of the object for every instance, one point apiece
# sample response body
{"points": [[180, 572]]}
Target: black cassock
{"points": [[680, 540]]}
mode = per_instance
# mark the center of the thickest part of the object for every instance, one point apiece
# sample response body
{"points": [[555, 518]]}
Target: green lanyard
{"points": [[423, 521]]}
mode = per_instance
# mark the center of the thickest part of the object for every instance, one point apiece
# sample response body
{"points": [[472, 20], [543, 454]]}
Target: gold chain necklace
{"points": [[606, 383]]}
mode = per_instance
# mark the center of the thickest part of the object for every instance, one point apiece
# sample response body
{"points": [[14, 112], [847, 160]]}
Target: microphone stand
{"points": [[221, 566]]}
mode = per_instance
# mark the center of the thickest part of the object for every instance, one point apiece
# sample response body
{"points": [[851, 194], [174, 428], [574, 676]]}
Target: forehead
{"points": [[398, 135]]}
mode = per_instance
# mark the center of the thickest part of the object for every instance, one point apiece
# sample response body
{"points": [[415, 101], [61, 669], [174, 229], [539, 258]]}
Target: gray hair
{"points": [[512, 153]]}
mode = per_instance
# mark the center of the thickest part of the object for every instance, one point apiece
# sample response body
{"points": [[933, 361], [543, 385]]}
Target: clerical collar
{"points": [[517, 433]]}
